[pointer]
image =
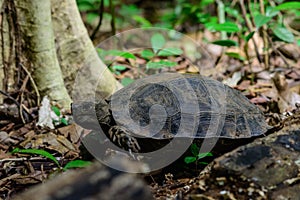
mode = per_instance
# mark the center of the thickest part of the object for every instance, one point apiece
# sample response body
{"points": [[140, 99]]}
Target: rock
{"points": [[94, 182], [268, 168]]}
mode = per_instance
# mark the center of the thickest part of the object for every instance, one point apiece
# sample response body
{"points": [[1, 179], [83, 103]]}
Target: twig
{"points": [[25, 113], [265, 36], [21, 159], [112, 12], [22, 92], [281, 55], [33, 84], [250, 12], [250, 28], [101, 10], [221, 16], [244, 13]]}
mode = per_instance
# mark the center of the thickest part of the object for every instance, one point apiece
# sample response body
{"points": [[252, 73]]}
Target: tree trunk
{"points": [[76, 51], [51, 50], [34, 18]]}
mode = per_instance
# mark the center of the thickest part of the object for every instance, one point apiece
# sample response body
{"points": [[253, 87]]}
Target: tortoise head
{"points": [[90, 115]]}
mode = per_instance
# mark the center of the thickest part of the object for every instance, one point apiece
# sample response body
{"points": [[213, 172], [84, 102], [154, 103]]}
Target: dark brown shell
{"points": [[187, 106]]}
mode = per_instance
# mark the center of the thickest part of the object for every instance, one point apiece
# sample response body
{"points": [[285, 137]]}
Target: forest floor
{"points": [[274, 88]]}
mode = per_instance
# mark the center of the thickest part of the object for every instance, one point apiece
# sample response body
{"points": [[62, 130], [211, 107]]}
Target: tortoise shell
{"points": [[184, 105]]}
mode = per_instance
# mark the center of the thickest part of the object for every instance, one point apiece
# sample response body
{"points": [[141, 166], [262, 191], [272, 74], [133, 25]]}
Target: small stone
{"points": [[187, 187], [250, 191], [223, 192], [261, 193]]}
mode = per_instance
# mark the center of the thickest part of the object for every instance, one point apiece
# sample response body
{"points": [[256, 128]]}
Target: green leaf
{"points": [[226, 43], [36, 151], [141, 20], [56, 110], [126, 81], [157, 42], [260, 20], [288, 5], [195, 149], [188, 159], [227, 27], [102, 53], [170, 52], [84, 5], [77, 164], [298, 42], [235, 55], [129, 10], [203, 163], [123, 54], [160, 64], [91, 17], [249, 36], [147, 54], [128, 55], [64, 121], [204, 3], [202, 155], [234, 12], [284, 34], [271, 11], [119, 67]]}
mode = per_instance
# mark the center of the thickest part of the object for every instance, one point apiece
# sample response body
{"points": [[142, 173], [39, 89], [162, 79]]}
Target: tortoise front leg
{"points": [[121, 137]]}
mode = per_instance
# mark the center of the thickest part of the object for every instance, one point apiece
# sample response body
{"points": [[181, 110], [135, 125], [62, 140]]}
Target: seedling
{"points": [[158, 49], [69, 165], [59, 119], [196, 155]]}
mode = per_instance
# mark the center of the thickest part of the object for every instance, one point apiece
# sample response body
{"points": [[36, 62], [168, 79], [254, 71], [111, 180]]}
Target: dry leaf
{"points": [[45, 118], [233, 81]]}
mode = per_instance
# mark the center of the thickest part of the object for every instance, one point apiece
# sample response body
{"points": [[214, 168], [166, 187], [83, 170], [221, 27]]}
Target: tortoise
{"points": [[171, 105]]}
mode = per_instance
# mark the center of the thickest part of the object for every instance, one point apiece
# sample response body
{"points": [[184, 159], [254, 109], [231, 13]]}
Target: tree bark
{"points": [[75, 51], [7, 50], [55, 50], [34, 18]]}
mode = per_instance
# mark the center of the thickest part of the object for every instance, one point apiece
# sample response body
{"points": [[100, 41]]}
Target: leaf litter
{"points": [[275, 91]]}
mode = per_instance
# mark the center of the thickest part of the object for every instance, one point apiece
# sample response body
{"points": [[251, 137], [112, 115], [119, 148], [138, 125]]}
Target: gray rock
{"points": [[268, 168]]}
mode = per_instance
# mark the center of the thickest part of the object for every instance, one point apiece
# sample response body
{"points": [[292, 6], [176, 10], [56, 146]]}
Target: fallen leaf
{"points": [[233, 81], [45, 118], [5, 138], [288, 98], [71, 132], [50, 141]]}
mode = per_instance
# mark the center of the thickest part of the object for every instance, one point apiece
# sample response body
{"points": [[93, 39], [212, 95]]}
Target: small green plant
{"points": [[120, 14], [38, 152], [60, 119], [196, 155], [158, 50], [69, 165], [76, 164], [188, 12], [88, 7], [158, 43], [238, 23]]}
